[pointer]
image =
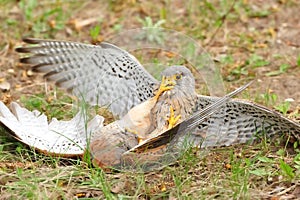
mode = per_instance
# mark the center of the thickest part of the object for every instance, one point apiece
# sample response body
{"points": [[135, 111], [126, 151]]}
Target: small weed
{"points": [[256, 61], [259, 13], [154, 33], [117, 27], [240, 71], [240, 176], [281, 152], [296, 161], [282, 69], [256, 12], [140, 184], [286, 169], [147, 22], [269, 99], [245, 69], [98, 179], [50, 20], [260, 172], [263, 170], [228, 59], [283, 107], [28, 7], [163, 13], [11, 22], [95, 32], [50, 105]]}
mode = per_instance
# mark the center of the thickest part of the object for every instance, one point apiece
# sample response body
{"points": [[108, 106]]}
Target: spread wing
{"points": [[240, 121], [103, 74]]}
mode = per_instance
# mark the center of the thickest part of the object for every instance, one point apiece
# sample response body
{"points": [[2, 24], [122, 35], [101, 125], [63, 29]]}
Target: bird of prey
{"points": [[109, 143], [106, 75]]}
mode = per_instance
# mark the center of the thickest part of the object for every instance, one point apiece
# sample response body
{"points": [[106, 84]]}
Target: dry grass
{"points": [[249, 39]]}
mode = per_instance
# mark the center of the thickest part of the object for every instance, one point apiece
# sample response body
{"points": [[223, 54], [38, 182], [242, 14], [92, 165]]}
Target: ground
{"points": [[247, 39]]}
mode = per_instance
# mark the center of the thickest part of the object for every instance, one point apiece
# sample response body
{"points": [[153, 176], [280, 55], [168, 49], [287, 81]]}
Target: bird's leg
{"points": [[140, 139], [165, 85], [172, 120]]}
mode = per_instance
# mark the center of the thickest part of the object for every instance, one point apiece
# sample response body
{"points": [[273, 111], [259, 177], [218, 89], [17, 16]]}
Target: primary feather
{"points": [[100, 74]]}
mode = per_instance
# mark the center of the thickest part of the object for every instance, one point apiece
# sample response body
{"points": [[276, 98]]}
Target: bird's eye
{"points": [[178, 76]]}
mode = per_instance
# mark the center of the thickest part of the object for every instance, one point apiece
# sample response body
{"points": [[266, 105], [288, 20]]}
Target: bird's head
{"points": [[178, 78]]}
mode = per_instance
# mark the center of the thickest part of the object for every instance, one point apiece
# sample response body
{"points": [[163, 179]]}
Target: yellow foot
{"points": [[172, 120], [166, 84], [140, 140]]}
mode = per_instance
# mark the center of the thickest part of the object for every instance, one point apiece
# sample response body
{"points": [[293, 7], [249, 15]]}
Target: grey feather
{"points": [[100, 74], [240, 121]]}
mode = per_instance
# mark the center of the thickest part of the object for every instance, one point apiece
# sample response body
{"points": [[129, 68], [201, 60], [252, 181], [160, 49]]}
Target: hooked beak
{"points": [[168, 82]]}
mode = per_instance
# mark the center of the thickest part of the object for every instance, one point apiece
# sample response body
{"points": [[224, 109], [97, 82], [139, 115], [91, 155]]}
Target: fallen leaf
{"points": [[5, 86], [163, 187], [79, 24], [29, 73], [227, 166], [11, 71]]}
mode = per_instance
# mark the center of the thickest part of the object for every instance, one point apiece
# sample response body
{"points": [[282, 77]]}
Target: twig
{"points": [[222, 22]]}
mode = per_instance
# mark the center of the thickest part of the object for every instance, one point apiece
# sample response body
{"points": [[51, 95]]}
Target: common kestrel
{"points": [[106, 75]]}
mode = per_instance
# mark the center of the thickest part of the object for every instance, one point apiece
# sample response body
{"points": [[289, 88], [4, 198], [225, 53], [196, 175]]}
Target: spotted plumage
{"points": [[100, 74], [108, 76]]}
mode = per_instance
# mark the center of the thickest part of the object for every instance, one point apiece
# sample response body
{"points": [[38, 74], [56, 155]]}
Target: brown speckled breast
{"points": [[182, 103]]}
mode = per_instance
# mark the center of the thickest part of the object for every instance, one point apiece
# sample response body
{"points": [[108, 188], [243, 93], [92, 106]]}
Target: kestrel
{"points": [[106, 75]]}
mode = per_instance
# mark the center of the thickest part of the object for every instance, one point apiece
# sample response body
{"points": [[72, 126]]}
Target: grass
{"points": [[54, 104], [244, 33]]}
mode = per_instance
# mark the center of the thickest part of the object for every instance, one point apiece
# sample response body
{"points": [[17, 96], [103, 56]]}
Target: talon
{"points": [[166, 84], [172, 119], [139, 139]]}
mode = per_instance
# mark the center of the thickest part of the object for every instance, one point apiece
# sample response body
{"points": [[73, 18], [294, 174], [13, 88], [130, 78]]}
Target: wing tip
{"points": [[30, 40], [37, 68], [23, 50], [25, 60]]}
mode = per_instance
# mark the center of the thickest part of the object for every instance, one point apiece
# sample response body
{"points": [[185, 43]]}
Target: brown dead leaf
{"points": [[274, 198], [17, 86], [272, 32], [80, 194], [261, 45], [78, 24], [29, 73], [4, 86], [24, 75], [227, 166], [52, 23], [163, 187], [296, 192], [14, 165], [169, 54], [117, 188], [6, 98], [11, 71]]}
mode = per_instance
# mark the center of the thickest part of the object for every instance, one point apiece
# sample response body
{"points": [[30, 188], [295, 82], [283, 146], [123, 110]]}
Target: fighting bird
{"points": [[106, 75]]}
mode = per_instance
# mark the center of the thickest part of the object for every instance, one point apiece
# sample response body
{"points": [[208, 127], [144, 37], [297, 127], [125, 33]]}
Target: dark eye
{"points": [[178, 76]]}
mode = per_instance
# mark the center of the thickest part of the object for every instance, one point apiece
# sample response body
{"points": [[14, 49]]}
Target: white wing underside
{"points": [[66, 138]]}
